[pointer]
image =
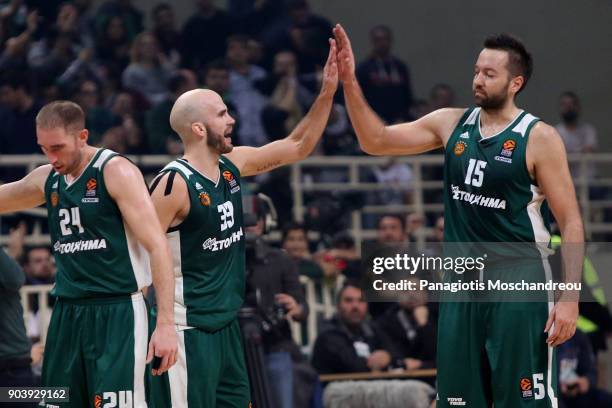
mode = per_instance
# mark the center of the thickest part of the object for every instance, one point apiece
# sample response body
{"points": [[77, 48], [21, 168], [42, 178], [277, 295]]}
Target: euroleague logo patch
{"points": [[98, 401], [460, 147], [204, 199], [506, 153], [526, 388], [90, 191], [229, 177]]}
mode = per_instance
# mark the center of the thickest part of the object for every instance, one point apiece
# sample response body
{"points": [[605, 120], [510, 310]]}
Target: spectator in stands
{"points": [[302, 32], [391, 229], [295, 241], [161, 138], [248, 100], [15, 359], [340, 259], [419, 108], [273, 283], [52, 54], [83, 68], [113, 47], [288, 99], [13, 58], [255, 16], [441, 96], [439, 229], [149, 70], [411, 331], [415, 226], [123, 9], [398, 178], [123, 106], [578, 375], [165, 32], [18, 131], [98, 119], [385, 79], [39, 266], [350, 343], [86, 22], [205, 35], [578, 136]]}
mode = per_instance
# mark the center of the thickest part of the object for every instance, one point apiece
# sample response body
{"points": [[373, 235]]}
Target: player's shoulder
{"points": [[118, 165], [544, 140]]}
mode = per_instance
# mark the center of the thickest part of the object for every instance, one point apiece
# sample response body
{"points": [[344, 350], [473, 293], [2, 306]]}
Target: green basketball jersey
{"points": [[208, 248], [489, 195], [95, 252]]}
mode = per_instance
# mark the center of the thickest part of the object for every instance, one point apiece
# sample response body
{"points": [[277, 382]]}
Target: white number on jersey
{"points": [[65, 220], [227, 215], [475, 169]]}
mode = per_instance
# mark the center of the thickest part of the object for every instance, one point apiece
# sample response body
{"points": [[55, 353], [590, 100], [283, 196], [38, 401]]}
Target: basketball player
{"points": [[198, 201], [103, 228], [489, 353]]}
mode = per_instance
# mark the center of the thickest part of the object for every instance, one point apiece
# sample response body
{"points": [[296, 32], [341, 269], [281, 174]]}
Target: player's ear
{"points": [[199, 129], [516, 84], [83, 135]]}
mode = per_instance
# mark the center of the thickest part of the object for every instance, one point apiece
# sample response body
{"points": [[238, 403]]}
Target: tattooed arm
{"points": [[302, 140]]}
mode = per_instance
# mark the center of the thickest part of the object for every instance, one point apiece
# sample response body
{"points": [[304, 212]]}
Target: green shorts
{"points": [[210, 372], [97, 347], [495, 353]]}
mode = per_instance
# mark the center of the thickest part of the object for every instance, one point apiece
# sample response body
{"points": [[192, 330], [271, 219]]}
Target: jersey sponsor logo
{"points": [[456, 402], [54, 198], [204, 199], [214, 245], [79, 246], [460, 147], [98, 401], [477, 199]]}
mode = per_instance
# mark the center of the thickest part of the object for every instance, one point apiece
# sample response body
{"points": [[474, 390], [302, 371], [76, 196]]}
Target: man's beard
{"points": [[217, 141], [492, 102]]}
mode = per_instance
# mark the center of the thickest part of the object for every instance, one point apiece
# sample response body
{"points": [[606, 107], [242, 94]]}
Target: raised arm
{"points": [[428, 133], [302, 140], [127, 187], [547, 160], [29, 192]]}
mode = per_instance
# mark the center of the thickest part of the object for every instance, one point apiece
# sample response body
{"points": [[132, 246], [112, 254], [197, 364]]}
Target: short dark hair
{"points": [[217, 64], [160, 7], [570, 94], [239, 38], [292, 226], [16, 80], [400, 217], [381, 27], [61, 114], [349, 283], [176, 81], [520, 62]]}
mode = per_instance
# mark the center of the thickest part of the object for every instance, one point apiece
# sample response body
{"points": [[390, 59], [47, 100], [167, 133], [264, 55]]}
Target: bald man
{"points": [[198, 201]]}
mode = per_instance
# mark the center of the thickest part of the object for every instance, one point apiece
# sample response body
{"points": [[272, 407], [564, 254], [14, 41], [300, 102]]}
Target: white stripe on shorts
{"points": [[141, 334], [177, 375]]}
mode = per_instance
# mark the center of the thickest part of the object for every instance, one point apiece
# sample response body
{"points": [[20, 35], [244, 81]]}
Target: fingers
{"points": [[550, 321], [150, 352], [341, 37]]}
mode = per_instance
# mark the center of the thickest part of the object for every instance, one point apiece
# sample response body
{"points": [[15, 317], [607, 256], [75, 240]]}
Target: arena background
{"points": [[439, 40]]}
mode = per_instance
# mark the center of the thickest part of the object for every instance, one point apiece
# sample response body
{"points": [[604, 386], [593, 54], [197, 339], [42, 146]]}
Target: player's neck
{"points": [[500, 116], [88, 154], [204, 160]]}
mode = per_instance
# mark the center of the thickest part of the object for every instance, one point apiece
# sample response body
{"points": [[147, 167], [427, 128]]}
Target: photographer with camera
{"points": [[275, 293]]}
